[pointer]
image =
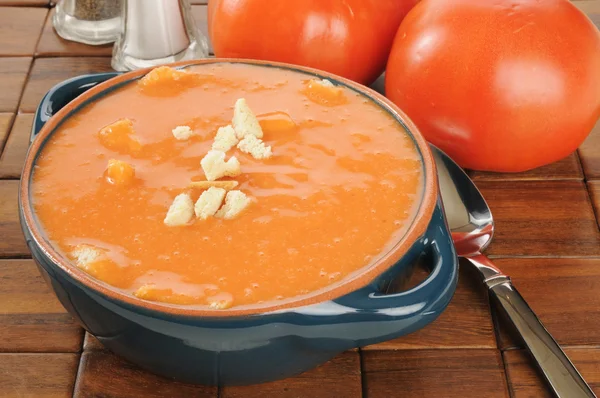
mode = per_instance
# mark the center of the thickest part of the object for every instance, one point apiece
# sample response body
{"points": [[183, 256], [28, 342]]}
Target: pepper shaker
{"points": [[156, 32], [92, 22]]}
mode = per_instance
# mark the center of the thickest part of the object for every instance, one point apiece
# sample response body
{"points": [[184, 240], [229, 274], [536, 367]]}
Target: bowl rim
{"points": [[357, 280]]}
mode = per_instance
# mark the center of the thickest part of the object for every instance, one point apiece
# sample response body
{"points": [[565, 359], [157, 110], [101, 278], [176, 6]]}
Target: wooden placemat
{"points": [[547, 239]]}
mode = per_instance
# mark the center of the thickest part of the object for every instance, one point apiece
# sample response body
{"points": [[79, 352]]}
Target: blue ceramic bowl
{"points": [[237, 348]]}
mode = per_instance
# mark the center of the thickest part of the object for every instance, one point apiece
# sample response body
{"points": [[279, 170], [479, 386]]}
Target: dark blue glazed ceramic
{"points": [[236, 349]]}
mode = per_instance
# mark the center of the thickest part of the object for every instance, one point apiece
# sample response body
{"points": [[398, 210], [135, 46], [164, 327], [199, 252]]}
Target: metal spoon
{"points": [[472, 226]]}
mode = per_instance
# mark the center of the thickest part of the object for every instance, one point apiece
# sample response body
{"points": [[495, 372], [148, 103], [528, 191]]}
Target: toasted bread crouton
{"points": [[120, 172], [255, 147], [244, 121], [225, 139], [226, 185], [181, 211], [85, 255], [235, 202], [209, 202], [120, 137], [215, 167], [182, 133]]}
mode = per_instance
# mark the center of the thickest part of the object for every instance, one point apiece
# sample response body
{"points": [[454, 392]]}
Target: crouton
{"points": [[235, 202], [244, 121], [182, 133], [225, 139], [215, 167], [209, 202], [226, 185], [181, 211], [119, 172], [85, 256], [255, 147], [120, 137]]}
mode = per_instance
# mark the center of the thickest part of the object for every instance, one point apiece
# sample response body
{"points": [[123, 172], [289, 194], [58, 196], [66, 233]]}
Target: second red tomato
{"points": [[351, 38]]}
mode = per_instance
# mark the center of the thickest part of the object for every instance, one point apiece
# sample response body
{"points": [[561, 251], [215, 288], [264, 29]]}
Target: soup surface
{"points": [[342, 186]]}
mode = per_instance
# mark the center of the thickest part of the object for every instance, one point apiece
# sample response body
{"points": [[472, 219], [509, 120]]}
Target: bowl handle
{"points": [[412, 309], [63, 93]]}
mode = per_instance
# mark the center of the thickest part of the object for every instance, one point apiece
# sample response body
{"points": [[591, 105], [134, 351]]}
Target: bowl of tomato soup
{"points": [[232, 222]]}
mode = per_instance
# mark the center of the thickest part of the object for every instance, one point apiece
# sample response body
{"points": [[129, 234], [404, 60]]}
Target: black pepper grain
{"points": [[97, 10]]}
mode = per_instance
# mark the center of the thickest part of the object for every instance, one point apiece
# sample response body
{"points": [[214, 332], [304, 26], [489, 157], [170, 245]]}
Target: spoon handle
{"points": [[561, 374]]}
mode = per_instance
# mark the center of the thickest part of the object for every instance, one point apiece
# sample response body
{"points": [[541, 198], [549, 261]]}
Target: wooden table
{"points": [[547, 239]]}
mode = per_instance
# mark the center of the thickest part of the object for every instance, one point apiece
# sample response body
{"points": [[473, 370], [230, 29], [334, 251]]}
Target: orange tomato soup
{"points": [[341, 188]]}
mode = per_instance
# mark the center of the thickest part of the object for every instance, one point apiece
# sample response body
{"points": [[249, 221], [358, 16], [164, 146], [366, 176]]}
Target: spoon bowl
{"points": [[472, 226]]}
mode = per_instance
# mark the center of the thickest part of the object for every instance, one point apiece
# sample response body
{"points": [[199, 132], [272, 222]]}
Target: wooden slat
{"points": [[37, 375], [526, 382], [13, 156], [12, 243], [466, 323], [5, 123], [594, 189], [39, 3], [589, 152], [13, 72], [434, 373], [563, 292], [102, 374], [339, 377], [91, 343], [31, 317], [540, 218], [46, 72], [20, 29], [52, 45], [568, 168]]}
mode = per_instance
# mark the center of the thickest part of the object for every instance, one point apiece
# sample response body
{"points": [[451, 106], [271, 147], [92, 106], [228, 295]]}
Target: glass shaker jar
{"points": [[156, 32], [88, 21]]}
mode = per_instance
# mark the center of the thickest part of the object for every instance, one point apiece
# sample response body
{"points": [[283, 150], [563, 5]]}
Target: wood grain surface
{"points": [[31, 317], [568, 168], [434, 373], [37, 375], [12, 243], [547, 239], [13, 156], [20, 29], [589, 152], [339, 377], [103, 374], [541, 218], [35, 3], [5, 123], [13, 72], [525, 381]]}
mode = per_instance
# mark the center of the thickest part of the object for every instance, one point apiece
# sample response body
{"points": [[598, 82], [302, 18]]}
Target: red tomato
{"points": [[500, 85], [351, 38]]}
